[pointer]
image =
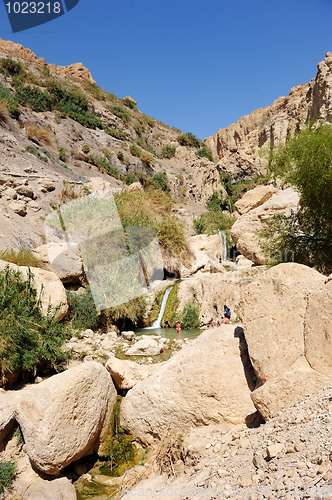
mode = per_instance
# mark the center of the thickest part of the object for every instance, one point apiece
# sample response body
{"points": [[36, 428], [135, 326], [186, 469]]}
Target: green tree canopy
{"points": [[306, 163]]}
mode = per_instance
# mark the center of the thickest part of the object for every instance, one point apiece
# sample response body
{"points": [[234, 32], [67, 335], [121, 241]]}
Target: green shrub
{"points": [[141, 142], [217, 202], [129, 103], [213, 221], [190, 140], [121, 113], [169, 151], [146, 157], [62, 154], [120, 156], [115, 132], [7, 474], [133, 311], [205, 152], [27, 339], [139, 129], [86, 148], [130, 178], [96, 91], [82, 313], [103, 164], [6, 97], [135, 151], [190, 315], [160, 180], [9, 67]]}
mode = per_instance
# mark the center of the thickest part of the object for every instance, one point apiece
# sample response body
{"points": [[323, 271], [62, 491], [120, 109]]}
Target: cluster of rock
{"points": [[238, 145], [256, 208], [288, 457], [62, 419]]}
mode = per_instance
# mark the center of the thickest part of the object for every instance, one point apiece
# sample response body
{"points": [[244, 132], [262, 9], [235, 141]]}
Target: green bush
{"points": [[139, 129], [27, 339], [160, 180], [120, 156], [130, 178], [205, 152], [115, 132], [82, 313], [190, 315], [102, 163], [190, 140], [7, 98], [135, 151], [7, 474], [121, 113], [62, 154], [169, 151], [213, 221], [9, 67], [217, 202], [305, 161], [129, 103], [86, 148]]}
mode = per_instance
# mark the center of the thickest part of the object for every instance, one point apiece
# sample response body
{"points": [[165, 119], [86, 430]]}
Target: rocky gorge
{"points": [[242, 410]]}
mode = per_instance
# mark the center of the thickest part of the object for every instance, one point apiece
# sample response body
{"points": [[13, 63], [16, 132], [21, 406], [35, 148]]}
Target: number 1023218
{"points": [[33, 7]]}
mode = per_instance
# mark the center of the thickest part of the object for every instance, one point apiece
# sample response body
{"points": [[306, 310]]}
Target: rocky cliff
{"points": [[243, 146]]}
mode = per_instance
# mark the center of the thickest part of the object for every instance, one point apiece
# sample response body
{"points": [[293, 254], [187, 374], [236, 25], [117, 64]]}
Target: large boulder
{"points": [[254, 198], [8, 401], [64, 261], [146, 347], [201, 384], [204, 249], [245, 231], [126, 373], [48, 286], [58, 489], [62, 417], [286, 318]]}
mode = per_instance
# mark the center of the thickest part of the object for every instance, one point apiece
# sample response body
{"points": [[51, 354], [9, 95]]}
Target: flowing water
{"points": [[157, 323], [223, 241]]}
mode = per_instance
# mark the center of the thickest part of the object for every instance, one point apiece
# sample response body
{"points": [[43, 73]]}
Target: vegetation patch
{"points": [[171, 314], [190, 140], [169, 151], [22, 257], [190, 315], [27, 339], [7, 474]]}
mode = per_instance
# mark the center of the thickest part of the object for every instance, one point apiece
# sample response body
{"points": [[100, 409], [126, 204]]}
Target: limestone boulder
{"points": [[19, 207], [201, 384], [65, 261], [273, 311], [318, 330], [62, 417], [205, 250], [8, 401], [247, 228], [286, 317], [48, 285], [58, 489], [146, 347], [126, 374], [254, 198]]}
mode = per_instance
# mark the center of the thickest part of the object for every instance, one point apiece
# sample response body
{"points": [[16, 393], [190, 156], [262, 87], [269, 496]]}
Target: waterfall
{"points": [[157, 323], [223, 241]]}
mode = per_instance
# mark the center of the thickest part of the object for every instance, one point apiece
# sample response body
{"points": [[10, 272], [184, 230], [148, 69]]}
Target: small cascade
{"points": [[223, 241], [157, 323]]}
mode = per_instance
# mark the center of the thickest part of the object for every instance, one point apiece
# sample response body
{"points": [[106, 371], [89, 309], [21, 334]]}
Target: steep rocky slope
{"points": [[44, 148], [239, 147]]}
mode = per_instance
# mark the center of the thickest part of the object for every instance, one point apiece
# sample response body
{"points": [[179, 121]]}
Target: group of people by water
{"points": [[226, 319]]}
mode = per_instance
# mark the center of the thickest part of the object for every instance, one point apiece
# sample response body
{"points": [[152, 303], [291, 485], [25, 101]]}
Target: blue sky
{"points": [[195, 65]]}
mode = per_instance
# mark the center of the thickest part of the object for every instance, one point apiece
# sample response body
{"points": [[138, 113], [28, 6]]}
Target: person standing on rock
{"points": [[178, 329], [227, 312], [226, 319]]}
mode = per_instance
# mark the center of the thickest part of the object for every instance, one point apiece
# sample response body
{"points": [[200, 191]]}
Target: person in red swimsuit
{"points": [[178, 329]]}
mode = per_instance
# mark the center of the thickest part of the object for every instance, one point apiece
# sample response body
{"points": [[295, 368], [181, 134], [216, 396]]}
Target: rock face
{"points": [[237, 146], [126, 374], [286, 318], [245, 231], [62, 417], [58, 489], [254, 198], [61, 260], [203, 383], [47, 284]]}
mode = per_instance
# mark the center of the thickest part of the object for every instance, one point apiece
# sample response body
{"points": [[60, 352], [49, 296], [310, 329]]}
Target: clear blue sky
{"points": [[196, 65]]}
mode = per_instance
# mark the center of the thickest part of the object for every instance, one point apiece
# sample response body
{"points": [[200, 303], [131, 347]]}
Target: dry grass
{"points": [[4, 114], [39, 135]]}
